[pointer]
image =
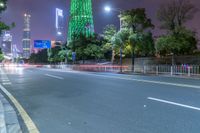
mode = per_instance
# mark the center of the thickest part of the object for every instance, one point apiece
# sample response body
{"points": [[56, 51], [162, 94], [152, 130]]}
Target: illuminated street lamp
{"points": [[2, 4], [109, 9]]}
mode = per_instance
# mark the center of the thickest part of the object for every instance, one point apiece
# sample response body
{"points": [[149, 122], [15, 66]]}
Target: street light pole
{"points": [[108, 9]]}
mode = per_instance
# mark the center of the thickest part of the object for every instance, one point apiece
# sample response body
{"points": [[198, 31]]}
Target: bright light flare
{"points": [[107, 8], [2, 5], [59, 33]]}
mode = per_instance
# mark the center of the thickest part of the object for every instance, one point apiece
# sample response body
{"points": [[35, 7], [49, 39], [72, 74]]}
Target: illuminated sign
{"points": [[42, 44]]}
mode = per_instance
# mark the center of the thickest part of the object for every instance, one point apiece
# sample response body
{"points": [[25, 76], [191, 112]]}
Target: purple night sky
{"points": [[43, 15]]}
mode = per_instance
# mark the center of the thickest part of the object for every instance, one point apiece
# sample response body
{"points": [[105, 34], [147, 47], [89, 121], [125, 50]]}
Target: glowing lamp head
{"points": [[107, 8], [2, 5], [59, 33]]}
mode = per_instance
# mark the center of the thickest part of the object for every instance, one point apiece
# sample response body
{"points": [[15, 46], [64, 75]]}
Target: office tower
{"points": [[26, 41], [6, 43]]}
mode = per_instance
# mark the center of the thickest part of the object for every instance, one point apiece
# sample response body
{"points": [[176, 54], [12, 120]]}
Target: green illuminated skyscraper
{"points": [[81, 19]]}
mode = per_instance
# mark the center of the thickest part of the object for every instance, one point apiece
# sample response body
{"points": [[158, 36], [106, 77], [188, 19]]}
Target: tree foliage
{"points": [[138, 38], [179, 40], [54, 55], [86, 48], [4, 26], [142, 44], [175, 13], [136, 20], [181, 44], [40, 57], [1, 55]]}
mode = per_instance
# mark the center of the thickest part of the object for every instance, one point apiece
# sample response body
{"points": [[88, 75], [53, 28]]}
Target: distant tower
{"points": [[81, 19], [59, 24], [26, 41], [6, 44]]}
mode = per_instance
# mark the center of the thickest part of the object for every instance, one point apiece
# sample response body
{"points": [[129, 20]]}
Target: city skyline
{"points": [[45, 12]]}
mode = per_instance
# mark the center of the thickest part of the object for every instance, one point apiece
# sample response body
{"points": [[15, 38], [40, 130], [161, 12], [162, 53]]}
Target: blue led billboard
{"points": [[42, 44]]}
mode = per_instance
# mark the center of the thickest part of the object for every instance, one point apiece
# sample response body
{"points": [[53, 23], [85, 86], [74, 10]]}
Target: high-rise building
{"points": [[6, 43], [59, 21], [15, 51], [26, 41], [81, 19]]}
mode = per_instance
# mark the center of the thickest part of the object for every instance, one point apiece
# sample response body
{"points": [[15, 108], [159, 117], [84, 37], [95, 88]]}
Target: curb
{"points": [[8, 118]]}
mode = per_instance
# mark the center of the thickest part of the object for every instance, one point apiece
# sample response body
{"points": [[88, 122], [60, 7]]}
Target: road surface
{"points": [[81, 102]]}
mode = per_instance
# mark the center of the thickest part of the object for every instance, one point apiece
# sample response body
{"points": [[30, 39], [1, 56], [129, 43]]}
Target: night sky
{"points": [[43, 15]]}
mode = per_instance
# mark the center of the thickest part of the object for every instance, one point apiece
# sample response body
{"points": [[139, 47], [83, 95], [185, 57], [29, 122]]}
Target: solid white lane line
{"points": [[53, 76], [5, 80], [173, 103], [137, 80], [7, 83], [146, 81]]}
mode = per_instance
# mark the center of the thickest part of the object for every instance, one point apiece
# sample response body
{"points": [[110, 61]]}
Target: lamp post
{"points": [[109, 9]]}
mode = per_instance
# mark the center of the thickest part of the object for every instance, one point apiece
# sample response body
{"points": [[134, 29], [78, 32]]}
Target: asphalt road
{"points": [[76, 102]]}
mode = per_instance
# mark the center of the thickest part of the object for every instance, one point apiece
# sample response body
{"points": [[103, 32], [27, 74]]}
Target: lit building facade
{"points": [[26, 41], [6, 44], [59, 24], [81, 19]]}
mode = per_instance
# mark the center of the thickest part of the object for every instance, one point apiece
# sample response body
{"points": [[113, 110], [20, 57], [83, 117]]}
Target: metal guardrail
{"points": [[185, 70], [93, 68]]}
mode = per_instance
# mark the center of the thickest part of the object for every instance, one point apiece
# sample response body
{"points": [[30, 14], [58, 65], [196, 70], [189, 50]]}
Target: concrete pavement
{"points": [[8, 117], [79, 102]]}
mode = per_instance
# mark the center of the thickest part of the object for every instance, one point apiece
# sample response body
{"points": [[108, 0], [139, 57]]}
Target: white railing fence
{"points": [[186, 70], [183, 70]]}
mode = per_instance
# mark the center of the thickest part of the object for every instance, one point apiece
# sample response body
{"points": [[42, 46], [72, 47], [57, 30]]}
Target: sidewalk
{"points": [[8, 117]]}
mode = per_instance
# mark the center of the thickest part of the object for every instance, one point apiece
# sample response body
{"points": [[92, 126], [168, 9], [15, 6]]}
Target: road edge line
{"points": [[26, 118]]}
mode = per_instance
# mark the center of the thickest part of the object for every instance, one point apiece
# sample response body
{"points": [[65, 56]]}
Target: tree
{"points": [[108, 33], [53, 54], [179, 40], [181, 44], [142, 44], [40, 57], [175, 14], [86, 47], [140, 38], [1, 56], [136, 20], [4, 26]]}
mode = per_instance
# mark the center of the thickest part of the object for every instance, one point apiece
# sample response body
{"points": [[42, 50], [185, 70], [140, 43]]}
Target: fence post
{"points": [[189, 74], [144, 69], [156, 70], [171, 70]]}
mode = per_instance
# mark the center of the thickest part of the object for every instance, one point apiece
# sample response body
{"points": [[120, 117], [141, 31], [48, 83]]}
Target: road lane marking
{"points": [[27, 120], [5, 80], [7, 83], [150, 81], [146, 81], [174, 103], [53, 76], [132, 79]]}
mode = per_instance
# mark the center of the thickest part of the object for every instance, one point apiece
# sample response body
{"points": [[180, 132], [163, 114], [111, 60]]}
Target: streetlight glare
{"points": [[59, 33], [1, 4], [107, 8]]}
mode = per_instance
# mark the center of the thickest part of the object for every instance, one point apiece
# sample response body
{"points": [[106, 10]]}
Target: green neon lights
{"points": [[81, 19]]}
